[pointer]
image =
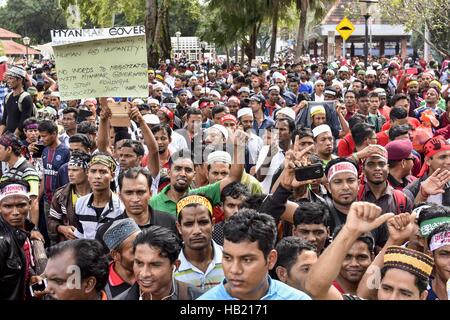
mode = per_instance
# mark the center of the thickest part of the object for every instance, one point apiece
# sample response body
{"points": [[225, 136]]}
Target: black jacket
{"points": [[12, 262]]}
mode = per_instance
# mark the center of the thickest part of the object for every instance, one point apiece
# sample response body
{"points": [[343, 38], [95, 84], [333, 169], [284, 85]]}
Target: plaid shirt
{"points": [[3, 92]]}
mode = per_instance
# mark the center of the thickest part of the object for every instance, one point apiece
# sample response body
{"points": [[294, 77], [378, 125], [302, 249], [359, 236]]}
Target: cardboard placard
{"points": [[120, 117]]}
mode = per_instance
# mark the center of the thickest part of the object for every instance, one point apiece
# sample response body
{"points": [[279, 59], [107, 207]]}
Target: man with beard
{"points": [[376, 188], [350, 103], [92, 265], [412, 88], [370, 79], [156, 252], [182, 173], [255, 143], [119, 238], [343, 184]]}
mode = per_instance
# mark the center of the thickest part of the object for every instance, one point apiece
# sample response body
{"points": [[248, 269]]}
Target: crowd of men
{"points": [[269, 182]]}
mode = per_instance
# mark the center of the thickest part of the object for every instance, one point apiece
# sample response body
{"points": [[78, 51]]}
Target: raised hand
{"points": [[435, 183], [401, 227], [364, 217]]}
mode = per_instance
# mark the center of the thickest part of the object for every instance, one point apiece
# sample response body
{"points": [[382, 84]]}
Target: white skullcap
{"points": [[215, 93], [55, 94], [321, 129], [277, 88], [330, 71], [193, 78], [152, 101], [287, 111], [151, 119], [319, 82], [371, 72], [277, 75], [221, 128], [138, 101], [244, 89], [244, 112], [219, 156], [343, 69], [337, 83], [158, 85]]}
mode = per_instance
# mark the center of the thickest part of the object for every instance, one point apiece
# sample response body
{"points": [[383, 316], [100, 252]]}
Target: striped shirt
{"points": [[23, 170], [213, 276], [87, 216]]}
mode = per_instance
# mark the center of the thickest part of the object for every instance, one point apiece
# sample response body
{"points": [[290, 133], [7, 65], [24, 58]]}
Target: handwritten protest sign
{"points": [[65, 36], [114, 67]]}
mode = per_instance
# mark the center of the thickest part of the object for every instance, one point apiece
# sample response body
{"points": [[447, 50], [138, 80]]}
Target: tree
{"points": [[34, 19], [416, 14]]}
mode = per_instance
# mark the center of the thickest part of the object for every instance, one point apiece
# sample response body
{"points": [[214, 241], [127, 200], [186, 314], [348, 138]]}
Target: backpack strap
{"points": [[400, 201], [21, 97]]}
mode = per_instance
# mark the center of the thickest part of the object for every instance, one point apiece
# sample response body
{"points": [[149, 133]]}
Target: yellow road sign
{"points": [[345, 28]]}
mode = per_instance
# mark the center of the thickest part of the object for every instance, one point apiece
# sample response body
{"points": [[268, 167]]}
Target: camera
{"points": [[314, 171]]}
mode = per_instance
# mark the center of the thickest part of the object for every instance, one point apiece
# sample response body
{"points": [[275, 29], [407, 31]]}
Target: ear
{"points": [[282, 273], [178, 227], [424, 295], [90, 284], [115, 255], [272, 259]]}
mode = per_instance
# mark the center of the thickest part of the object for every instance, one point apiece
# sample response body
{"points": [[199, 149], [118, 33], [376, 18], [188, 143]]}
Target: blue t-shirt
{"points": [[52, 160], [277, 291], [305, 87]]}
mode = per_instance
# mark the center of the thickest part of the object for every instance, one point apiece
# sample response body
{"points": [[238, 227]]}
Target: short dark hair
{"points": [[397, 97], [361, 132], [14, 143], [137, 147], [421, 284], [288, 249], [234, 190], [81, 138], [48, 126], [161, 238], [302, 132], [86, 127], [89, 257], [217, 109], [250, 225], [397, 131], [363, 94], [355, 119], [71, 110], [192, 111], [290, 122], [397, 113], [311, 213], [350, 91], [133, 173], [373, 95], [162, 127]]}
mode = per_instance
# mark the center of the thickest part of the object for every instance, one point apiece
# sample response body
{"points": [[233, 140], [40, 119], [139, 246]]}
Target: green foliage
{"points": [[32, 18]]}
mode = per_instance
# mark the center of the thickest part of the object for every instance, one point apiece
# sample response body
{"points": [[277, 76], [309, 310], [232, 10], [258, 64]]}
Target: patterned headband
{"points": [[104, 160], [194, 199]]}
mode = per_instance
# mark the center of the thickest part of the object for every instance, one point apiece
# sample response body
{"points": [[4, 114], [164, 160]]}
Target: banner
{"points": [[66, 36], [114, 67]]}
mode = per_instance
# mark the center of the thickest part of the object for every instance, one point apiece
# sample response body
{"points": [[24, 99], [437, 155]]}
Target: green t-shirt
{"points": [[162, 203]]}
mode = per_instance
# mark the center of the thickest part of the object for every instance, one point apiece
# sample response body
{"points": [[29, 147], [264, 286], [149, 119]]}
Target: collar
{"points": [[270, 292], [19, 162], [387, 191], [150, 213], [395, 184], [110, 204], [186, 264], [114, 278]]}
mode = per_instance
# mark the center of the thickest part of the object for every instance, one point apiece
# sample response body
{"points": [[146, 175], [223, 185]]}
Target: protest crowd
{"points": [[283, 181]]}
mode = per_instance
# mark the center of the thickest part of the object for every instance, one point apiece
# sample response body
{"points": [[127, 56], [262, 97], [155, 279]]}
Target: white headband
{"points": [[14, 189], [439, 240], [341, 167]]}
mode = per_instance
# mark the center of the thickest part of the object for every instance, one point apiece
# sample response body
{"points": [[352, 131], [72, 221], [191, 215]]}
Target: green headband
{"points": [[427, 226]]}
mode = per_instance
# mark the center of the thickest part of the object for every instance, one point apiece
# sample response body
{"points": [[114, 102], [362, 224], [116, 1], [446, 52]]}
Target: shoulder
{"points": [[284, 292], [215, 293]]}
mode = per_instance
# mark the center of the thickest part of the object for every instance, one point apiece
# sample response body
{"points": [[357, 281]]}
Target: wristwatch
{"points": [[35, 228]]}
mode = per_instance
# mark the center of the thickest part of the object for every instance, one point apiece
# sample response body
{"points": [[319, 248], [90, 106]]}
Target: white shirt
{"points": [[178, 143], [254, 145]]}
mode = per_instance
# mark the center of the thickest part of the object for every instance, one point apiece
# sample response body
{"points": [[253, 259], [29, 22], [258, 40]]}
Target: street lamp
{"points": [[178, 34], [26, 42], [365, 4]]}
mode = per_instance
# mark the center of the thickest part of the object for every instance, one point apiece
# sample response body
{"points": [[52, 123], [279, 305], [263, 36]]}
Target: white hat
{"points": [[212, 71], [138, 101], [219, 156], [193, 78], [215, 93], [277, 88], [319, 82], [151, 119], [244, 112], [371, 72], [3, 59], [380, 92], [221, 128], [287, 111], [278, 75], [55, 94], [152, 101], [330, 71], [343, 69], [321, 129], [158, 85], [244, 89]]}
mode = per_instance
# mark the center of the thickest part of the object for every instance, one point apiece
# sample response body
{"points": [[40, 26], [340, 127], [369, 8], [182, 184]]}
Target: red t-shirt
{"points": [[346, 146], [383, 138]]}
